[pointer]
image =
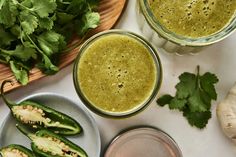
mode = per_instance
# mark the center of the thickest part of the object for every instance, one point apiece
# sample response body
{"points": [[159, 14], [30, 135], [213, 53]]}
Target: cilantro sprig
{"points": [[193, 97], [34, 32]]}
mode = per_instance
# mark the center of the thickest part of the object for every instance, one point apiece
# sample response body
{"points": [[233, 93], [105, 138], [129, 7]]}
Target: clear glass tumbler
{"points": [[171, 42], [115, 114]]}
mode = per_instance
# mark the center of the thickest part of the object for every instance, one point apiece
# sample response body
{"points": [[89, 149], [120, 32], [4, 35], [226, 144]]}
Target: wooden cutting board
{"points": [[110, 11]]}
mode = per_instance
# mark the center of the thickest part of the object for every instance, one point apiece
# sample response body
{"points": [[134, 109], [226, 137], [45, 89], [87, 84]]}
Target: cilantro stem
{"points": [[39, 50], [22, 6], [198, 70], [22, 65], [29, 9], [21, 34], [198, 77], [4, 51], [6, 62], [89, 7]]}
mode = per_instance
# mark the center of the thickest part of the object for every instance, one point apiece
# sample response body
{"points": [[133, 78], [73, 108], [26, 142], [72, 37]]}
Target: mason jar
{"points": [[143, 141], [170, 41], [109, 70]]}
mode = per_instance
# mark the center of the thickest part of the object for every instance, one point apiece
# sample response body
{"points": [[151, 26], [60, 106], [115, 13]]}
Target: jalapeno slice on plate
{"points": [[39, 116], [46, 144], [16, 151]]}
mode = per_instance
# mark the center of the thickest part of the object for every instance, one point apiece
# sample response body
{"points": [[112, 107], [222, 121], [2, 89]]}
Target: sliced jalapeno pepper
{"points": [[39, 116], [48, 144], [16, 151]]}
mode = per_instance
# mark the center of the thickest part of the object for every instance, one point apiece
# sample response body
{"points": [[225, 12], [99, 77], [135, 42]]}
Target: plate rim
{"points": [[35, 95]]}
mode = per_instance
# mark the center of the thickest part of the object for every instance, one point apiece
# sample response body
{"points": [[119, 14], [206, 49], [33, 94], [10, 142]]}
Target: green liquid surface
{"points": [[117, 73], [194, 18]]}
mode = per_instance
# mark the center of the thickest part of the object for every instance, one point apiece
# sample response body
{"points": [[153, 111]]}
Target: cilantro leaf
{"points": [[77, 7], [23, 52], [44, 7], [47, 22], [5, 37], [63, 18], [28, 22], [24, 3], [164, 100], [64, 30], [89, 20], [8, 12], [207, 83], [51, 42], [2, 2], [196, 103], [194, 94], [33, 32], [16, 31], [198, 119], [174, 103], [46, 66], [177, 104], [20, 73], [186, 86], [206, 99]]}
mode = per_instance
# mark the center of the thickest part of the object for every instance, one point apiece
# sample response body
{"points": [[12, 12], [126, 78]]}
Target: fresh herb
{"points": [[193, 97], [34, 32]]}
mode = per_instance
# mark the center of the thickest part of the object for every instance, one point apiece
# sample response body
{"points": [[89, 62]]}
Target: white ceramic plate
{"points": [[89, 140]]}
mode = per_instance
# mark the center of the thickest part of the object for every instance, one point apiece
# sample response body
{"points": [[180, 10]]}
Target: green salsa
{"points": [[194, 18], [117, 73]]}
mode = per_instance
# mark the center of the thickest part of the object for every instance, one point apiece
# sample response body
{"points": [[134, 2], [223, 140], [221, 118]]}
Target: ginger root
{"points": [[226, 113]]}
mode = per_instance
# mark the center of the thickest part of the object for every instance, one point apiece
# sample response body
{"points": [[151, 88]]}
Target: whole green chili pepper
{"points": [[16, 151], [39, 116], [48, 144]]}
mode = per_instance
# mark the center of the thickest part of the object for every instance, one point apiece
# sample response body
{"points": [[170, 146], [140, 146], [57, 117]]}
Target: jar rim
{"points": [[145, 132], [183, 40], [140, 107]]}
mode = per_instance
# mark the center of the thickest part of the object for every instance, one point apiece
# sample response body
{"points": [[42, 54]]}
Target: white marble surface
{"points": [[219, 59]]}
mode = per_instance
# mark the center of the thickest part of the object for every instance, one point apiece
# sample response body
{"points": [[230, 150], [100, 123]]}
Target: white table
{"points": [[210, 142]]}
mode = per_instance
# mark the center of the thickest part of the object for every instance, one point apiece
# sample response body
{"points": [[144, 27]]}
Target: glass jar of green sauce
{"points": [[186, 26], [117, 73]]}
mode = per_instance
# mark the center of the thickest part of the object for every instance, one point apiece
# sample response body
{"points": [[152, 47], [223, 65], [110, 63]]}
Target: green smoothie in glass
{"points": [[194, 18], [117, 73]]}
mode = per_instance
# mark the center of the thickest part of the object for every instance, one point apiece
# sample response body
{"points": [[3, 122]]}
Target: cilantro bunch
{"points": [[34, 32], [193, 97]]}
